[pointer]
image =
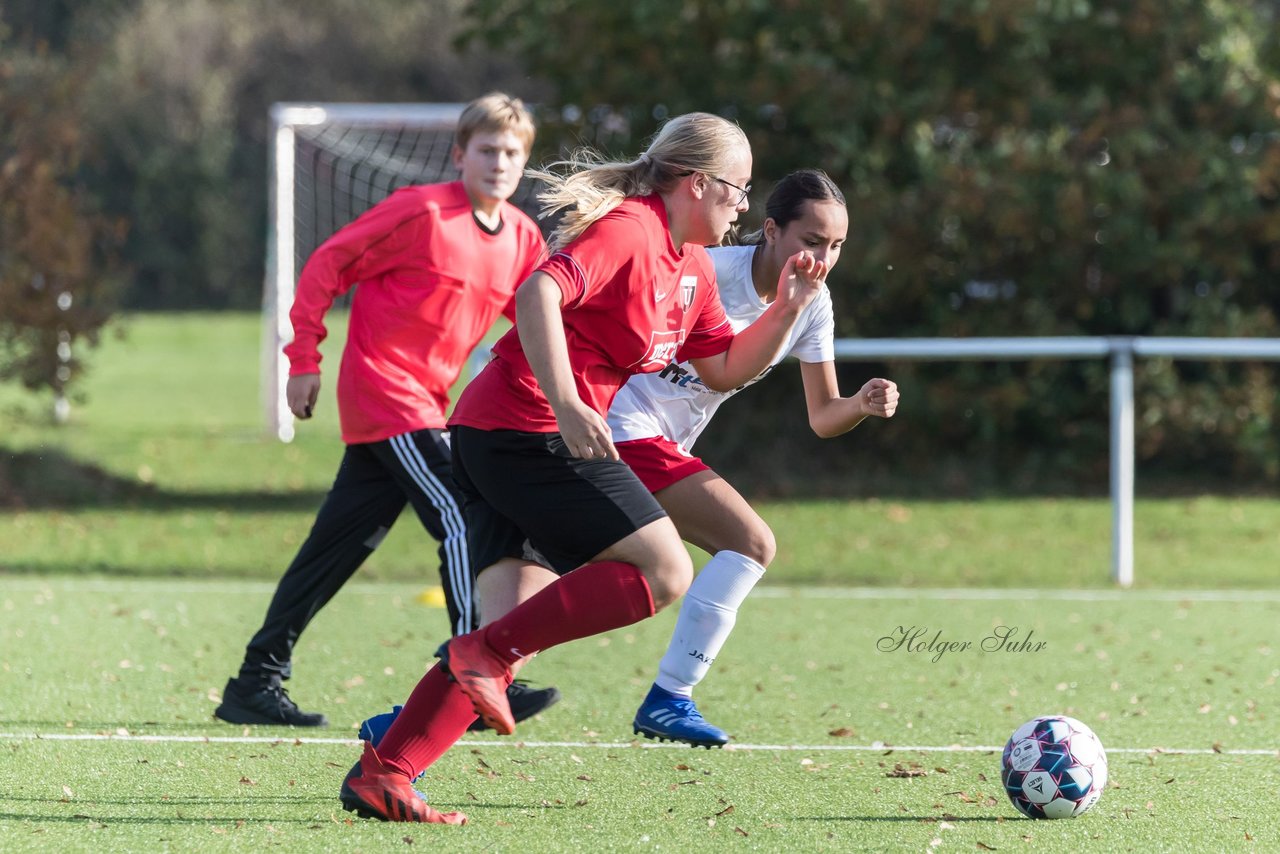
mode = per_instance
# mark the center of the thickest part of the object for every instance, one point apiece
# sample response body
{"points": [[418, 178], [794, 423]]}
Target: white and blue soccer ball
{"points": [[1053, 767]]}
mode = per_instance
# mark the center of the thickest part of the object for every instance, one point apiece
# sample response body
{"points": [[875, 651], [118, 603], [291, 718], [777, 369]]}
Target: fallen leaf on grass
{"points": [[900, 770], [842, 732], [740, 830]]}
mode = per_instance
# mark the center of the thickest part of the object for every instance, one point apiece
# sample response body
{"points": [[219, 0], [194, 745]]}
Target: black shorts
{"points": [[526, 489]]}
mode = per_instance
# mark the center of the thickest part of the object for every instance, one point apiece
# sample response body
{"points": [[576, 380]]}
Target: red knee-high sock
{"points": [[592, 599], [434, 717]]}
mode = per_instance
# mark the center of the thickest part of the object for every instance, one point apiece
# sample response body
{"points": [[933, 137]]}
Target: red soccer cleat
{"points": [[482, 676], [372, 790]]}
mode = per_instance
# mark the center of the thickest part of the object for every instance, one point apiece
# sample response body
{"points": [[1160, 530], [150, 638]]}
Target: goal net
{"points": [[329, 164]]}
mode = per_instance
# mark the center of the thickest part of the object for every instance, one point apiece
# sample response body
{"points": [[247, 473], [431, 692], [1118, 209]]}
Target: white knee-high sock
{"points": [[707, 615]]}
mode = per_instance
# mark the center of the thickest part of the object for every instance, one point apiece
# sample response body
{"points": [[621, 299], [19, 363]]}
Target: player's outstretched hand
{"points": [[879, 397], [301, 393], [802, 278], [586, 434]]}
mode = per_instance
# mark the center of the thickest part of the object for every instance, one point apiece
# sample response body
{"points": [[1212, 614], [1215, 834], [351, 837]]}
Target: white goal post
{"points": [[330, 163]]}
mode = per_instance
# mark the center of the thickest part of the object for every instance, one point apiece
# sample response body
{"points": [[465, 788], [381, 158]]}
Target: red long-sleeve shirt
{"points": [[432, 282]]}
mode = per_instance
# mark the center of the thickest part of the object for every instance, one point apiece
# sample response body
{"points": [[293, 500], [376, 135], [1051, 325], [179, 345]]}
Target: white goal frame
{"points": [[281, 266]]}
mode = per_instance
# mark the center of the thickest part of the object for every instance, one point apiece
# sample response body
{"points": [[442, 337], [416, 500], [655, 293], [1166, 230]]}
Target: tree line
{"points": [[1047, 167]]}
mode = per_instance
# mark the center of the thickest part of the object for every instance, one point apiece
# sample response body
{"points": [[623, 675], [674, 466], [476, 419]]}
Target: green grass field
{"points": [[821, 723], [148, 534]]}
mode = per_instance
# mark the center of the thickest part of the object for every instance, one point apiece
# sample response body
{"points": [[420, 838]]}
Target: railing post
{"points": [[1122, 453]]}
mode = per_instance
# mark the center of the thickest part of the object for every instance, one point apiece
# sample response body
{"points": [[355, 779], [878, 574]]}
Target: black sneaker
{"points": [[267, 703], [525, 702]]}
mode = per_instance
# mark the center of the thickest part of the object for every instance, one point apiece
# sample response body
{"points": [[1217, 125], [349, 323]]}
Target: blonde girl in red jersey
{"points": [[628, 288]]}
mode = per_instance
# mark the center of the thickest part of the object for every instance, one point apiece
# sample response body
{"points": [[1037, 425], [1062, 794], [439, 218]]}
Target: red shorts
{"points": [[659, 462]]}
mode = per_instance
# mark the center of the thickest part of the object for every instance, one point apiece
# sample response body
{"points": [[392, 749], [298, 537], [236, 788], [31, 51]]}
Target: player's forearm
{"points": [[541, 331], [836, 416], [751, 351]]}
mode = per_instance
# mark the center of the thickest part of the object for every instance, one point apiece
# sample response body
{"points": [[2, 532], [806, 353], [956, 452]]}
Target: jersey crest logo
{"points": [[661, 351], [688, 289]]}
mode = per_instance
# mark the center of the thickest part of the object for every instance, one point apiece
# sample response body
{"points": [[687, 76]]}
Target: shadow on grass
{"points": [[53, 480], [926, 819], [56, 730], [108, 820]]}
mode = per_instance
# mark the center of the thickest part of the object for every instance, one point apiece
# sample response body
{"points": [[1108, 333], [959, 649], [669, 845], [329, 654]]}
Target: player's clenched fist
{"points": [[879, 397]]}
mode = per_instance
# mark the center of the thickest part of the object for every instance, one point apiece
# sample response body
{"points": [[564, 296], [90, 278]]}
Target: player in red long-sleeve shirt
{"points": [[436, 264], [567, 540]]}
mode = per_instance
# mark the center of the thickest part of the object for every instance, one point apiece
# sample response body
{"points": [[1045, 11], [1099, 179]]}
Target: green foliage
{"points": [[179, 110], [55, 268], [1050, 168], [1063, 167]]}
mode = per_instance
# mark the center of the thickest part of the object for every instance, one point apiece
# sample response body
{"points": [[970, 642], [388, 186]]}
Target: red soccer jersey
{"points": [[432, 282], [632, 303]]}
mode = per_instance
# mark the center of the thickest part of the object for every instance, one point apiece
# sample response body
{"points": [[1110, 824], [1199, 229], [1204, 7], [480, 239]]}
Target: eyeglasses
{"points": [[742, 191]]}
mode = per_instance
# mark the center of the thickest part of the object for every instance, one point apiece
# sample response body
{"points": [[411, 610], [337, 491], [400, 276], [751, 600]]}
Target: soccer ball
{"points": [[1053, 767]]}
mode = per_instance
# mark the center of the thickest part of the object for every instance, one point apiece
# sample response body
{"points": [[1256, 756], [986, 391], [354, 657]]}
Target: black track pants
{"points": [[374, 483]]}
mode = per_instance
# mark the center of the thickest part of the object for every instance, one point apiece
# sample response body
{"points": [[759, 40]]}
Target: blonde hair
{"points": [[590, 186], [494, 113]]}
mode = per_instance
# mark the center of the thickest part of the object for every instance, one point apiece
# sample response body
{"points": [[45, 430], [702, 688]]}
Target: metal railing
{"points": [[1121, 352]]}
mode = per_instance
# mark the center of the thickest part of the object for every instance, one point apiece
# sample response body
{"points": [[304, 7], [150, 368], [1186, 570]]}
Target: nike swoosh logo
{"points": [[659, 296]]}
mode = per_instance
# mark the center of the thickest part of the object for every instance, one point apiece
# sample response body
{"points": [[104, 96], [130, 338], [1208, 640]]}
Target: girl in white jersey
{"points": [[656, 418]]}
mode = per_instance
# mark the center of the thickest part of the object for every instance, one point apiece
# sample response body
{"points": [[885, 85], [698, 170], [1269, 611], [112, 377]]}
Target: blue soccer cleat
{"points": [[671, 717], [525, 700], [373, 729]]}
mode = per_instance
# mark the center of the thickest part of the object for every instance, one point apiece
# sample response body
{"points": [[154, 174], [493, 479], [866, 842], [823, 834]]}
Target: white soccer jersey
{"points": [[674, 403]]}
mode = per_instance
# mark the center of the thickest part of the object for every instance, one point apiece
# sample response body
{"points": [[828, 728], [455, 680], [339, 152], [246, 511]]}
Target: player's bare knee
{"points": [[759, 544], [669, 579]]}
